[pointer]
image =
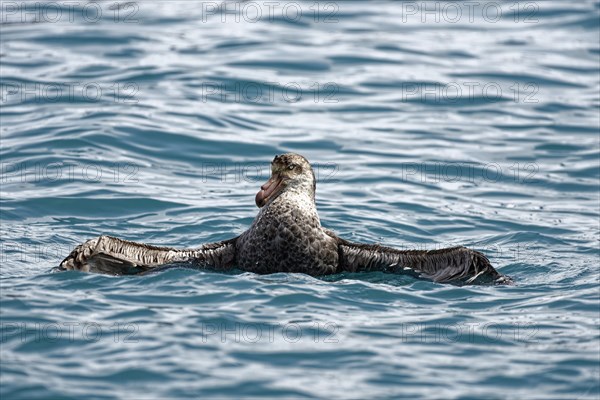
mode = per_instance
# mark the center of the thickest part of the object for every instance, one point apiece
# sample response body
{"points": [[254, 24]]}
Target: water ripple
{"points": [[481, 132]]}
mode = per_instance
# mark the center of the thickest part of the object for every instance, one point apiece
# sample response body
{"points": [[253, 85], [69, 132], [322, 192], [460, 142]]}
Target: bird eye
{"points": [[292, 166]]}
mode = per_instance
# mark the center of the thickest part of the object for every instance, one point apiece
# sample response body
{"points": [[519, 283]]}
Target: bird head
{"points": [[289, 172]]}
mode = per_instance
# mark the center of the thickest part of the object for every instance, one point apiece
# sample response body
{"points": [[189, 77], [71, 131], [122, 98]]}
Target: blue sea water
{"points": [[430, 124]]}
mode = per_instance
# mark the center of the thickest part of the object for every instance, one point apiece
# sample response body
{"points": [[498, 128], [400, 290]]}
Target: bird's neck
{"points": [[299, 203]]}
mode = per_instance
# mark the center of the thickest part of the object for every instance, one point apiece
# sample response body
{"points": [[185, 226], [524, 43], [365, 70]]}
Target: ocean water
{"points": [[430, 124]]}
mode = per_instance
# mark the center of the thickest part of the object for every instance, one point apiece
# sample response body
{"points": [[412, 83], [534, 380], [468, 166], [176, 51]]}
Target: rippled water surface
{"points": [[156, 122]]}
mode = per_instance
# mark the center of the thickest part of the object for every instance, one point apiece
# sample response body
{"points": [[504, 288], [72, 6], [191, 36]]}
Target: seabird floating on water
{"points": [[286, 236]]}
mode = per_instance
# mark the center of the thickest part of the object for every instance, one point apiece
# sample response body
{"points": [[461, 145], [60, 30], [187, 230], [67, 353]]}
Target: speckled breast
{"points": [[286, 237]]}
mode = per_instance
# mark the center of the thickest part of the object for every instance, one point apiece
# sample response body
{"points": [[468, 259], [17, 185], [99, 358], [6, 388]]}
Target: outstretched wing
{"points": [[109, 255], [455, 264]]}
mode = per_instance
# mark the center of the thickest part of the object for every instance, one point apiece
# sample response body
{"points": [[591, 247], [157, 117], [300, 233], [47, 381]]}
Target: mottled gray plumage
{"points": [[286, 236]]}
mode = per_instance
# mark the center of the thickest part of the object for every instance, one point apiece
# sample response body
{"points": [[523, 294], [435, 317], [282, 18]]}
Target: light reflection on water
{"points": [[156, 121]]}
